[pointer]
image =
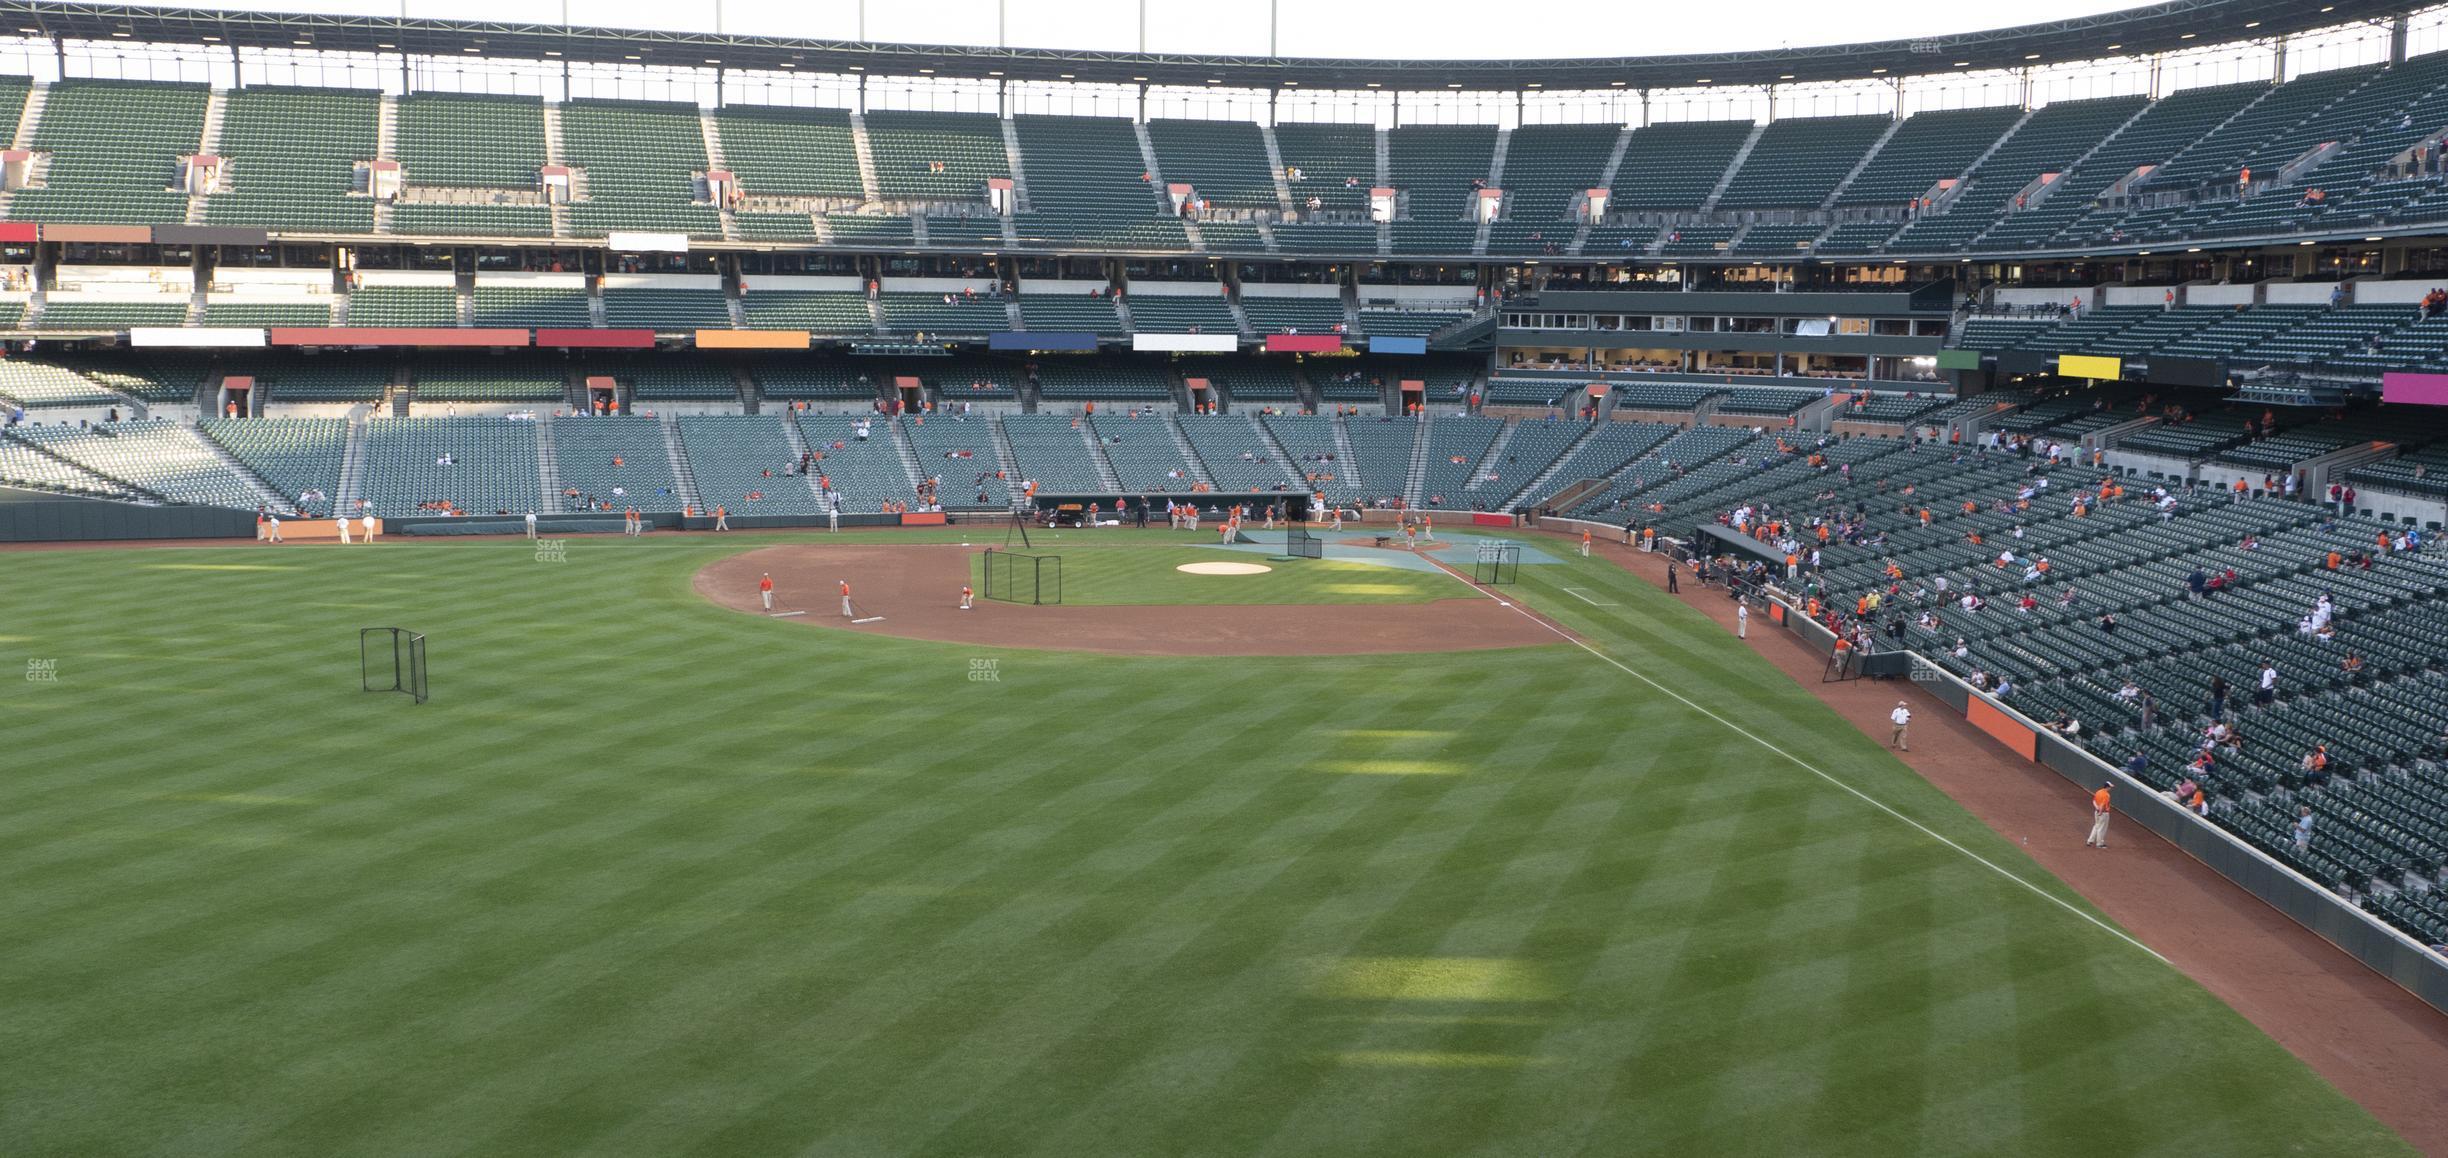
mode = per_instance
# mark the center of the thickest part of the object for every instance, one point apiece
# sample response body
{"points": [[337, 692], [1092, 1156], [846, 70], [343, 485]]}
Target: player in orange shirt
{"points": [[1585, 542], [845, 592], [964, 597], [2099, 817], [765, 590]]}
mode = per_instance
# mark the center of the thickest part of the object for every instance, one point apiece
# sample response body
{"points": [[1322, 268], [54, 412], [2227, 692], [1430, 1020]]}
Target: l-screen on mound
{"points": [[916, 588]]}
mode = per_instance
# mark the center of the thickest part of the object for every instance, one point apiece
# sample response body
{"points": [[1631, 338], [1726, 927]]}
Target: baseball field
{"points": [[656, 873]]}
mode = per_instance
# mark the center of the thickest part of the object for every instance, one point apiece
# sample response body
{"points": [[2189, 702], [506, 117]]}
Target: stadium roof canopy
{"points": [[2171, 26]]}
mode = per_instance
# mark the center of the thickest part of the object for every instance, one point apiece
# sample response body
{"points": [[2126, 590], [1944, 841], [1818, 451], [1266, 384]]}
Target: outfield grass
{"points": [[1112, 573], [647, 877]]}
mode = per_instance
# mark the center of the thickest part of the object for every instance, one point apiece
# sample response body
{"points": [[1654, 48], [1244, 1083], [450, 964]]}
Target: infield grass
{"points": [[649, 877]]}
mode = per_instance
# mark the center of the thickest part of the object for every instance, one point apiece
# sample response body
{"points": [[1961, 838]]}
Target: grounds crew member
{"points": [[765, 590], [2099, 817], [964, 597], [845, 590], [1901, 717]]}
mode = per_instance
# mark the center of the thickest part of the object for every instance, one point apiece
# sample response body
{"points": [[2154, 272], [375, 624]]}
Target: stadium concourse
{"points": [[2082, 379]]}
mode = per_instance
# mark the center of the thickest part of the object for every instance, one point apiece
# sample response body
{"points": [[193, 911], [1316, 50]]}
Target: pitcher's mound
{"points": [[1224, 568]]}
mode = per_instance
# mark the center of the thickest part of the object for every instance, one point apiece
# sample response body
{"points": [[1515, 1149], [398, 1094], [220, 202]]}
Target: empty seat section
{"points": [[1237, 455], [664, 380], [930, 156], [481, 466], [1103, 380], [1052, 450], [596, 456], [1207, 313], [115, 147], [820, 311], [944, 313], [666, 308], [1144, 456], [413, 306], [1280, 315], [259, 314], [1336, 164], [1224, 162], [1674, 164], [962, 454], [1086, 189], [1455, 446], [1070, 312], [1798, 161], [289, 159], [469, 164], [778, 151], [294, 455], [491, 378], [641, 160], [1548, 167], [1926, 149], [739, 460], [1316, 458], [865, 472], [1439, 168], [557, 307], [166, 458]]}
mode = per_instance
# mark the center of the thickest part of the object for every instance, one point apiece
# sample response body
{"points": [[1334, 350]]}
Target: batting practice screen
{"points": [[1301, 543], [1013, 577], [391, 659], [1498, 563]]}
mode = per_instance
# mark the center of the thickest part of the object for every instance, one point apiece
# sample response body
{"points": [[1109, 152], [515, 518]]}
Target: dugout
{"points": [[1070, 509]]}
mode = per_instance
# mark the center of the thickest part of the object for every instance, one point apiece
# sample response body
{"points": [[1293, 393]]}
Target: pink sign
{"points": [[2414, 389]]}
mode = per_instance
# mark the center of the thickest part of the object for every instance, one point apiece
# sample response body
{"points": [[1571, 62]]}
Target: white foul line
{"points": [[1575, 592], [1814, 770]]}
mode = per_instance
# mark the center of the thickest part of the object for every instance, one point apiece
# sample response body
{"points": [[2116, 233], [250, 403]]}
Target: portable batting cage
{"points": [[1016, 577], [391, 659], [1497, 563]]}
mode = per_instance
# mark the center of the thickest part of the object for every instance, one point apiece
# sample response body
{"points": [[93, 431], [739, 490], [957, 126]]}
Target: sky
{"points": [[1416, 29]]}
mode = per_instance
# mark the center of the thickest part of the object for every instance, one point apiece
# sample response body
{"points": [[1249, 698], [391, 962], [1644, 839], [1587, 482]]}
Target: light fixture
{"points": [[386, 46], [1963, 64], [928, 71], [1704, 80], [713, 60], [208, 39], [301, 42], [471, 49], [631, 56], [1065, 76], [2031, 56], [2303, 243], [1372, 84], [853, 68], [2114, 47], [1878, 70], [2187, 36], [2371, 239], [1615, 84], [1449, 84], [1790, 76], [552, 52], [999, 72], [1143, 80], [2252, 24], [2195, 249], [786, 64]]}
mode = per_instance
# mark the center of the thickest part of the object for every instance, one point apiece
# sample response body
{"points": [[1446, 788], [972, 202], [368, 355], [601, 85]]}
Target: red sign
{"points": [[923, 519], [1304, 343], [1484, 519]]}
